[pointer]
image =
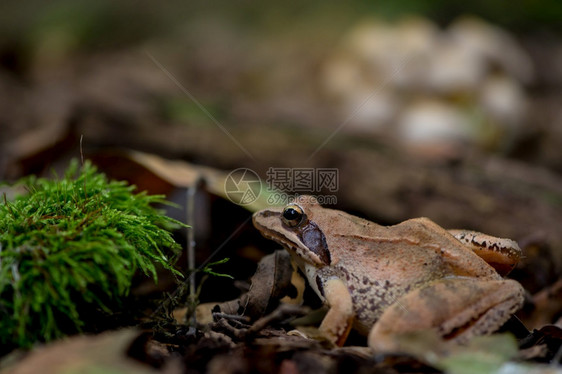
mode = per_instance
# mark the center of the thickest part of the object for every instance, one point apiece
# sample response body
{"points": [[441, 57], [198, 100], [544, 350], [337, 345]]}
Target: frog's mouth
{"points": [[306, 242], [265, 220]]}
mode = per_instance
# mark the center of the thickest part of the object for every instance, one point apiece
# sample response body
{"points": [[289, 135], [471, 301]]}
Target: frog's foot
{"points": [[456, 309], [501, 253]]}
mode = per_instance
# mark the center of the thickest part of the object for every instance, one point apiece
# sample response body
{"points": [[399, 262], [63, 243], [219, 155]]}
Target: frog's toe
{"points": [[314, 335], [298, 333]]}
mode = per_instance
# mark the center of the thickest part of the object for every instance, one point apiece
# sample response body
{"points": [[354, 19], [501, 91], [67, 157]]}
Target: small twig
{"points": [[283, 312], [8, 205], [191, 242], [81, 149], [82, 161], [231, 317], [231, 330]]}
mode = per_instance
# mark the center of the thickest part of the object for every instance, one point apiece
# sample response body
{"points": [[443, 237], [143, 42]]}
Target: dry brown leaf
{"points": [[270, 284], [179, 174], [102, 353]]}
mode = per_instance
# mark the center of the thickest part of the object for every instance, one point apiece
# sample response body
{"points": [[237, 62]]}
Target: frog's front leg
{"points": [[501, 253], [338, 321], [454, 308]]}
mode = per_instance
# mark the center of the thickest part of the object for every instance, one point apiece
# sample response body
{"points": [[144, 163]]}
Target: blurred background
{"points": [[443, 109], [438, 78]]}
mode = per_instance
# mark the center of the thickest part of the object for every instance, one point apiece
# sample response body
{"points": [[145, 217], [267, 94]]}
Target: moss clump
{"points": [[71, 245]]}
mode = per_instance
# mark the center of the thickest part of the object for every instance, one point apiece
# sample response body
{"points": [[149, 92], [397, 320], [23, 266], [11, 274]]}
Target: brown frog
{"points": [[393, 280]]}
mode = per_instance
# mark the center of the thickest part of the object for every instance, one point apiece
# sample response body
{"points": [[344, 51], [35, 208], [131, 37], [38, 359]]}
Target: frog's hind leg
{"points": [[501, 253], [454, 309]]}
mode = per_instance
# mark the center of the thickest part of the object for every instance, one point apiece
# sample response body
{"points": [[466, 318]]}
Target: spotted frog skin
{"points": [[387, 281]]}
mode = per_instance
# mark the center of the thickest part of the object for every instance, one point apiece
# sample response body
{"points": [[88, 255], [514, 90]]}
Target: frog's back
{"points": [[386, 262], [416, 246]]}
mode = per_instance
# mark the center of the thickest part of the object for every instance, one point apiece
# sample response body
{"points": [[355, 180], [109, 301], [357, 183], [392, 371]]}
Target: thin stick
{"points": [[82, 161], [191, 242], [81, 150]]}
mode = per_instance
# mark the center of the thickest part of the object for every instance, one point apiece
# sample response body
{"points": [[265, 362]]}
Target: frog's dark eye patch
{"points": [[292, 215], [313, 238]]}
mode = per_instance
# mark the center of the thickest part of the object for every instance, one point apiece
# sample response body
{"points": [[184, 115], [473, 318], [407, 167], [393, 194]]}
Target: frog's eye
{"points": [[292, 215]]}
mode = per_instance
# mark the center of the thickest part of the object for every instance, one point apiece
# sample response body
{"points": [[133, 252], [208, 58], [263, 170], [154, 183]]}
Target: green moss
{"points": [[71, 245]]}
